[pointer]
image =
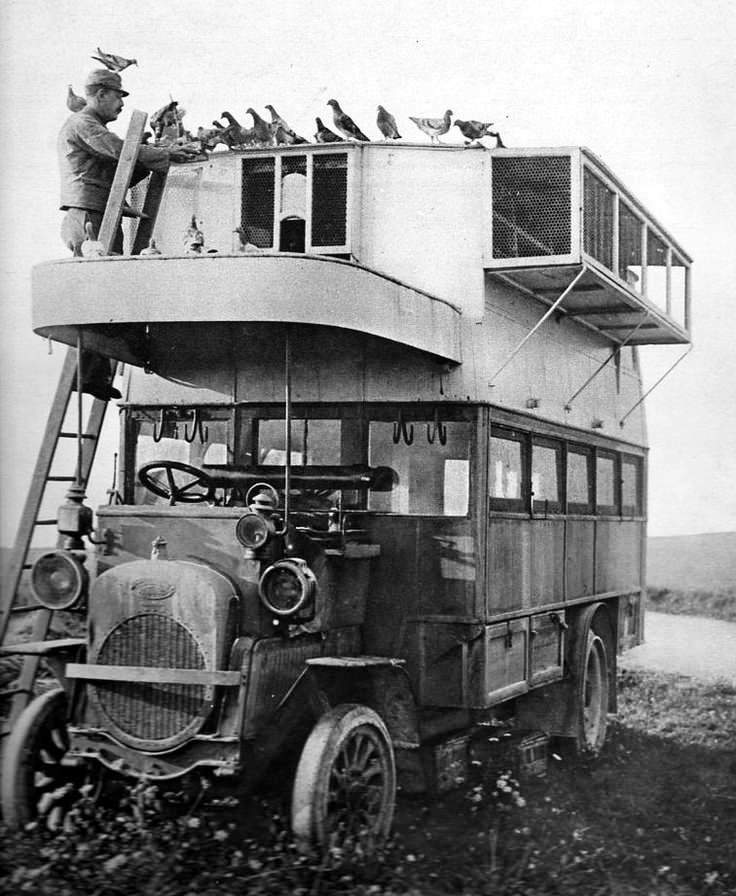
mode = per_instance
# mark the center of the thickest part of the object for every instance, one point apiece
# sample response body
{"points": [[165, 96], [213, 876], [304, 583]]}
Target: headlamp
{"points": [[252, 530], [287, 586], [58, 580]]}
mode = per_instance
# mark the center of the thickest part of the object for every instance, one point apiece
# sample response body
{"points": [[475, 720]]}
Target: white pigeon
{"points": [[434, 127]]}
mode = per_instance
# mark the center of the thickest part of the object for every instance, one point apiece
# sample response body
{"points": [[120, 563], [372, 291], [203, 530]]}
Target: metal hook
{"points": [[158, 428], [438, 428], [401, 431], [197, 428]]}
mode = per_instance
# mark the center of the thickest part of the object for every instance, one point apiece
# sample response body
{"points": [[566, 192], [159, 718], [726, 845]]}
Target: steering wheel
{"points": [[199, 487]]}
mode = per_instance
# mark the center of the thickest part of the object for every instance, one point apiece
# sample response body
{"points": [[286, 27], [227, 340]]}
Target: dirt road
{"points": [[690, 645]]}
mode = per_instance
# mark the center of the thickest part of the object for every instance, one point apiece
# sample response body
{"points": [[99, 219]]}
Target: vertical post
{"points": [[615, 237], [688, 310], [668, 283], [644, 257], [80, 412], [287, 423]]}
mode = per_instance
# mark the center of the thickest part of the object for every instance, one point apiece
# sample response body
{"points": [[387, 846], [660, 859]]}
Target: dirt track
{"points": [[691, 645]]}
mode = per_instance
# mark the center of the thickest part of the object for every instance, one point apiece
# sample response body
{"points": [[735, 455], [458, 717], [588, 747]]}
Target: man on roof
{"points": [[88, 157]]}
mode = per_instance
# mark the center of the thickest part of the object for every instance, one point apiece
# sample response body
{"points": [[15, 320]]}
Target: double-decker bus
{"points": [[382, 477]]}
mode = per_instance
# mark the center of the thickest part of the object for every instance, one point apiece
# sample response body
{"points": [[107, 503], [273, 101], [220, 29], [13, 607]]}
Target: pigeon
{"points": [[151, 249], [209, 138], [73, 102], [281, 130], [194, 236], [475, 130], [261, 128], [91, 247], [325, 135], [387, 124], [235, 134], [245, 245], [113, 62], [345, 124], [434, 127]]}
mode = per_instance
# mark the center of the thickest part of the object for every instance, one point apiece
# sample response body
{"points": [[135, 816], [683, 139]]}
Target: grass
{"points": [[655, 813], [716, 604]]}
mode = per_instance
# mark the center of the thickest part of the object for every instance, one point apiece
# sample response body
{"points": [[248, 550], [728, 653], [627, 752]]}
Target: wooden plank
{"points": [[91, 672], [151, 204], [121, 181], [41, 648]]}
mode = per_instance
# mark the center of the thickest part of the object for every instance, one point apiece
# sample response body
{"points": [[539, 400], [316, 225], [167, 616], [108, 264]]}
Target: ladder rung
{"points": [[45, 522], [28, 608], [73, 435], [61, 479]]}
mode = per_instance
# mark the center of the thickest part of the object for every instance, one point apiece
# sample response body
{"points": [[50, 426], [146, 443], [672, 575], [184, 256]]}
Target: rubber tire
{"points": [[41, 725], [347, 728], [592, 694]]}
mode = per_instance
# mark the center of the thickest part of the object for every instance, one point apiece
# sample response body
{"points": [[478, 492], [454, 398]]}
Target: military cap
{"points": [[101, 77]]}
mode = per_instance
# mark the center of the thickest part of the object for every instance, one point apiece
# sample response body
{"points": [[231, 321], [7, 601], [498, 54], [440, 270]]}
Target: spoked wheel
{"points": [[34, 781], [345, 784], [593, 694]]}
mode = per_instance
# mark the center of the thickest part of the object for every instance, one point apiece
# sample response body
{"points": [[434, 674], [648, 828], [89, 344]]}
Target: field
{"points": [[655, 813]]}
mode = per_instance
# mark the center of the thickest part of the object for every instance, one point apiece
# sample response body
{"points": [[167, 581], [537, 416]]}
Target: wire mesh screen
{"points": [[629, 247], [597, 219], [329, 199], [257, 204], [531, 206], [136, 198]]}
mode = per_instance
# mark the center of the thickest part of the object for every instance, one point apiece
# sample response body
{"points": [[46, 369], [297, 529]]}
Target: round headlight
{"points": [[287, 586], [58, 580], [252, 530]]}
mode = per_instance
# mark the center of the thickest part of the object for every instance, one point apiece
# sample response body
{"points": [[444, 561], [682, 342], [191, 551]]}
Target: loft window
{"points": [[597, 219], [329, 199], [629, 247], [531, 206], [279, 210]]}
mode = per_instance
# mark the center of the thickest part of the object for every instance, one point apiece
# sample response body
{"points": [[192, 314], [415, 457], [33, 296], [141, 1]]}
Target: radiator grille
{"points": [[329, 199], [598, 219], [145, 710], [258, 201], [531, 206]]}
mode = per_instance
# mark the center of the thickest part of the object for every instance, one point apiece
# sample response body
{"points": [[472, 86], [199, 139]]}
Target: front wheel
{"points": [[345, 784], [33, 777]]}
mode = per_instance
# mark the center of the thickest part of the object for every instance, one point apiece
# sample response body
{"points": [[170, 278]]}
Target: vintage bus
{"points": [[382, 475]]}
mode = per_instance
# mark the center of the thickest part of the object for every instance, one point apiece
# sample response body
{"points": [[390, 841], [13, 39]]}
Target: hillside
{"points": [[687, 562]]}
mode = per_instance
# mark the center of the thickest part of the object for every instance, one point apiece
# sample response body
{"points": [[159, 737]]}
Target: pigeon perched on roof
{"points": [[434, 127], [151, 249], [387, 124], [74, 102], [113, 62], [345, 124], [283, 134], [261, 128], [193, 236], [235, 134], [325, 135], [475, 130], [209, 138]]}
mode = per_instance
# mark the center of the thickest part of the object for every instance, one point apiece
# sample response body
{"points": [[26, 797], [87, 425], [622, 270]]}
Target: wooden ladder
{"points": [[19, 692]]}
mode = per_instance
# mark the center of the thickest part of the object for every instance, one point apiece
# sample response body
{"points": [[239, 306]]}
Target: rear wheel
{"points": [[345, 784], [592, 693]]}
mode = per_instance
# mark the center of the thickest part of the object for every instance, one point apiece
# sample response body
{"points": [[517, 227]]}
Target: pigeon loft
{"points": [[446, 220]]}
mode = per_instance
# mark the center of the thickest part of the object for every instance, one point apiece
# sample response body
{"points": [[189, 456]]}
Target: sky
{"points": [[649, 87]]}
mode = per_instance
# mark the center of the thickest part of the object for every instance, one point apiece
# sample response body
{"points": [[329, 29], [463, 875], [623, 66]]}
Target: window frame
{"points": [[638, 464], [514, 505], [586, 451], [544, 507], [615, 508], [310, 153]]}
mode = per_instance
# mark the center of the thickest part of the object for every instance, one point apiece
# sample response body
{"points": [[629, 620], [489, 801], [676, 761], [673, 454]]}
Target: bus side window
{"points": [[505, 480]]}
